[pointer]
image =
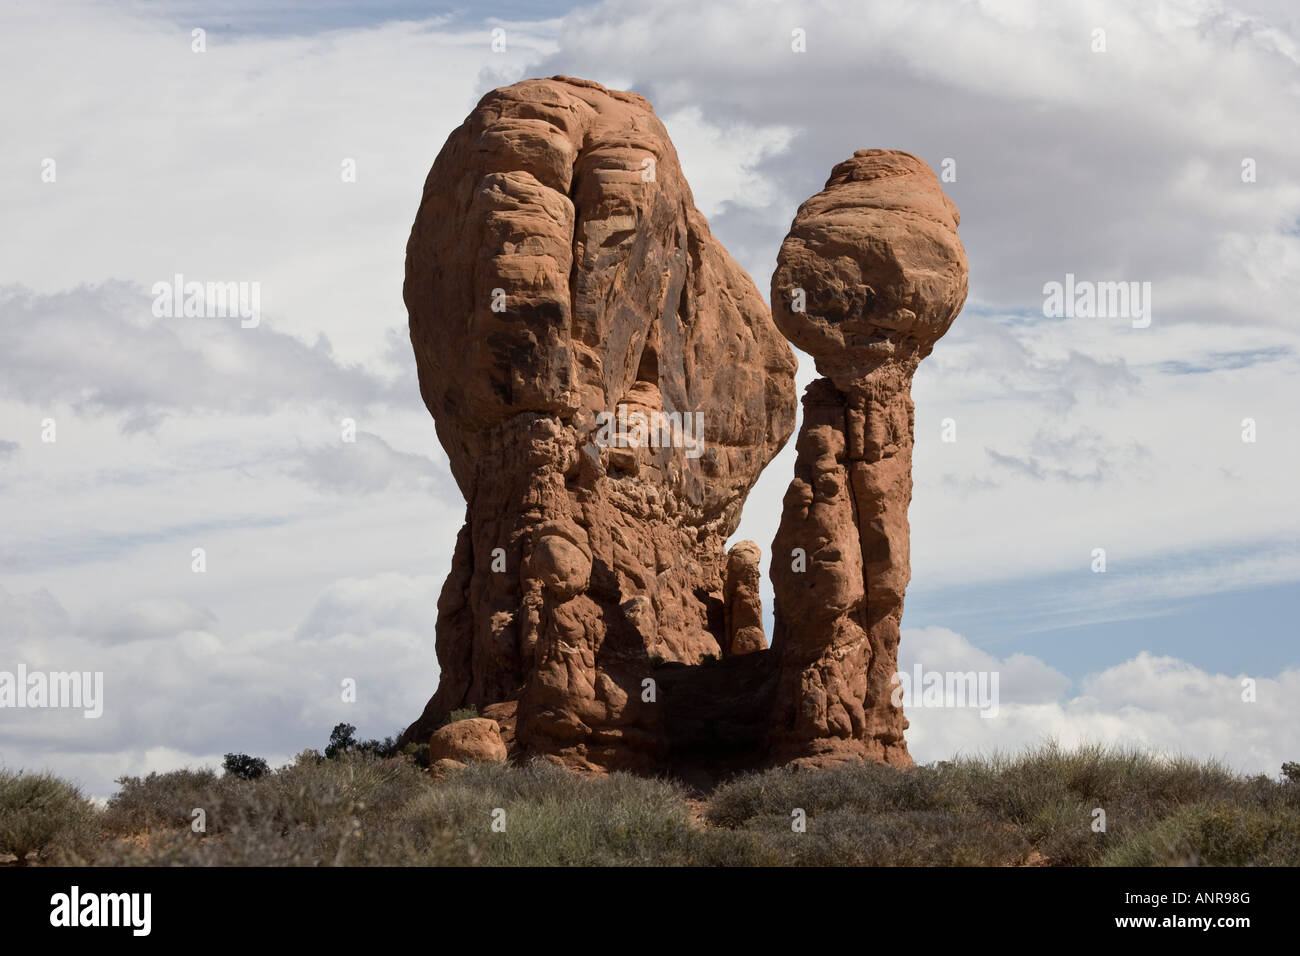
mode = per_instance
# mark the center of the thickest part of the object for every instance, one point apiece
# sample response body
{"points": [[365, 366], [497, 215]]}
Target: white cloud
{"points": [[226, 165], [176, 697], [369, 464], [32, 615], [144, 619], [355, 605], [720, 162], [1067, 160], [101, 350], [1159, 704]]}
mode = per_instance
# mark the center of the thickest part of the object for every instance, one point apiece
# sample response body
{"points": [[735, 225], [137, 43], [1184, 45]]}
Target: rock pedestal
{"points": [[870, 275]]}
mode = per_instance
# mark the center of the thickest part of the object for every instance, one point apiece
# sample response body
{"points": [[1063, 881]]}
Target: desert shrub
{"points": [[383, 749], [160, 800], [1032, 808], [307, 793], [556, 818], [309, 813], [1051, 793], [1270, 794], [864, 815], [464, 713], [343, 740], [1213, 834], [40, 815], [845, 837], [245, 767], [1060, 830], [860, 788], [1016, 785], [417, 753], [1043, 799]]}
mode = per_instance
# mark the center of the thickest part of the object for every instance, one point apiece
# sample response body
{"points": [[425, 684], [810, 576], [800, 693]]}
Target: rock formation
{"points": [[608, 384], [870, 275], [741, 602], [476, 740]]}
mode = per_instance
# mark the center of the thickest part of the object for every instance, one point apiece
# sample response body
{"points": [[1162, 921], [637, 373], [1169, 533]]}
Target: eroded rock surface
{"points": [[608, 385], [475, 740], [871, 274], [742, 602], [560, 283]]}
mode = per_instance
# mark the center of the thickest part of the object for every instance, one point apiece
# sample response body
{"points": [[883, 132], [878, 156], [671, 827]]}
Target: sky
{"points": [[126, 158]]}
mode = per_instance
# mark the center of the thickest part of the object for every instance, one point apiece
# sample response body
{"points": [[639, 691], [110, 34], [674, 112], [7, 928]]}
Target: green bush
{"points": [[41, 814], [866, 815], [1213, 834], [417, 753], [245, 767], [309, 813], [553, 817], [1034, 808], [161, 800], [859, 788], [464, 713]]}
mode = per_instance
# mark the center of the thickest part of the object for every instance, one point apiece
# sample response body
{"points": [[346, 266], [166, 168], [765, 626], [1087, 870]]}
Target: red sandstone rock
{"points": [[877, 263], [742, 603], [476, 740], [558, 277], [557, 272]]}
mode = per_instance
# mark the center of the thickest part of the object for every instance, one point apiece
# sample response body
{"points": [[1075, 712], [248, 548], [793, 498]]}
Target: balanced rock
{"points": [[871, 274], [608, 384]]}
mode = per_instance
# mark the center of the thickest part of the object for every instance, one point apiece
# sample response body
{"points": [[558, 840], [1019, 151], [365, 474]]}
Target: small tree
{"points": [[245, 767], [342, 739], [1291, 770], [378, 748]]}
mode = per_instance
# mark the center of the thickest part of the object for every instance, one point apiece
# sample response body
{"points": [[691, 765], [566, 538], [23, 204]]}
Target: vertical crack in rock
{"points": [[876, 265], [562, 285]]}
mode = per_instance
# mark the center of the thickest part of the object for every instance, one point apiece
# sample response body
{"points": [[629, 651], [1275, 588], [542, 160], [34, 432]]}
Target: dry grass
{"points": [[1034, 808]]}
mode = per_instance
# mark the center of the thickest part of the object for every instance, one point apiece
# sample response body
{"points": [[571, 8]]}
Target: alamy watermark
{"points": [[75, 908], [1085, 299], [208, 300], [924, 688], [75, 690], [636, 429]]}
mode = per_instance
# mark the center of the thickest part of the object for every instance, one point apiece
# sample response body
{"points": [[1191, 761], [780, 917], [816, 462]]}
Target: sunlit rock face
{"points": [[869, 277], [562, 290], [608, 385]]}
